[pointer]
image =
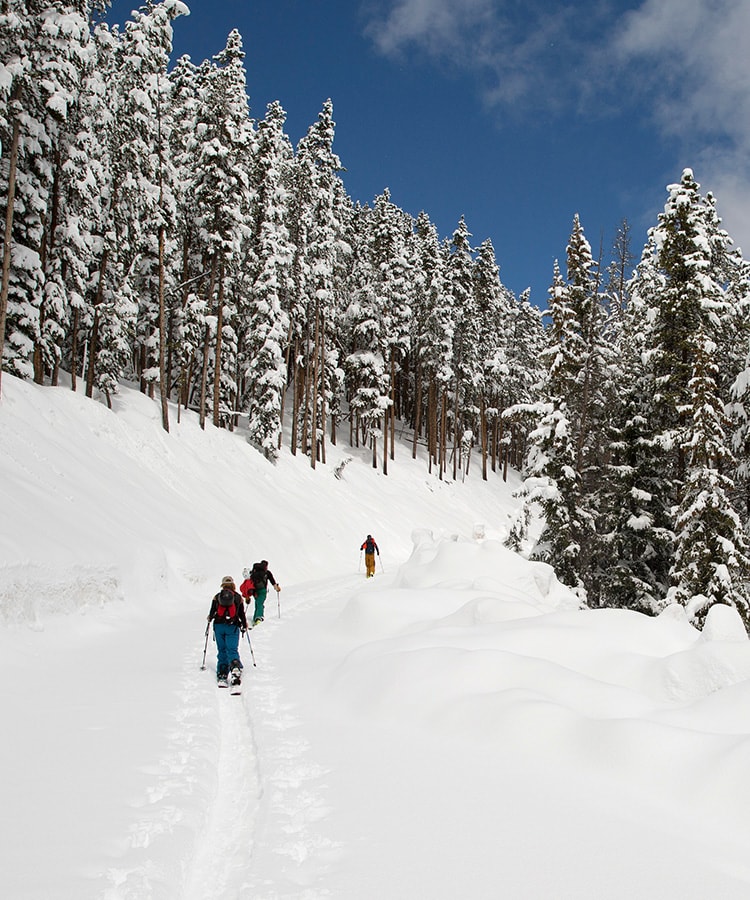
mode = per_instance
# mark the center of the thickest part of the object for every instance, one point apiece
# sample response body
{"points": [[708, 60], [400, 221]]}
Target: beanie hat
{"points": [[227, 580]]}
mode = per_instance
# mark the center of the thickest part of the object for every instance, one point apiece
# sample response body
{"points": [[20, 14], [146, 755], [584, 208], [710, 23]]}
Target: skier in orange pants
{"points": [[370, 548]]}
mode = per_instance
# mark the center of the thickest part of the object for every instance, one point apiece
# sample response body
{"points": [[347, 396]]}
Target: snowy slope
{"points": [[455, 727]]}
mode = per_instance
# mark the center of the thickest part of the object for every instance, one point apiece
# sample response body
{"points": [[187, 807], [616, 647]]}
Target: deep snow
{"points": [[453, 728]]}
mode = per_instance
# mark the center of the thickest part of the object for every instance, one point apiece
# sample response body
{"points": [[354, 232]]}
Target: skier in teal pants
{"points": [[260, 576], [228, 615]]}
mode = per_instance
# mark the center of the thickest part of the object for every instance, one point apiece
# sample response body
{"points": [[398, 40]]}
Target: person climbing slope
{"points": [[371, 548], [260, 575], [228, 615]]}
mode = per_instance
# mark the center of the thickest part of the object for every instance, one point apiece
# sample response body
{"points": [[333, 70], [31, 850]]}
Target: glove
{"points": [[277, 588]]}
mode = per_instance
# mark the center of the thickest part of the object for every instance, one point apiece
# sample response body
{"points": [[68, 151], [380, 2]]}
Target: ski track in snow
{"points": [[235, 807], [288, 839]]}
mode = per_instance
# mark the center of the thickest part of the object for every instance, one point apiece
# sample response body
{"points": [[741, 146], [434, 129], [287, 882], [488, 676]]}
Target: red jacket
{"points": [[247, 589]]}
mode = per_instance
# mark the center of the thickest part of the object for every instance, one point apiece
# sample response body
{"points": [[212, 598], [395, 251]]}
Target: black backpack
{"points": [[259, 576], [226, 611]]}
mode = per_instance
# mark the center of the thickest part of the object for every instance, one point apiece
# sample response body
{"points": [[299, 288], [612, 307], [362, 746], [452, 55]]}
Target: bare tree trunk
{"points": [[386, 417], [217, 358], [432, 424], [417, 410], [483, 430], [316, 375], [295, 400], [45, 250], [286, 382], [393, 403], [14, 105], [455, 432], [206, 346], [74, 351], [163, 387], [323, 402], [443, 434]]}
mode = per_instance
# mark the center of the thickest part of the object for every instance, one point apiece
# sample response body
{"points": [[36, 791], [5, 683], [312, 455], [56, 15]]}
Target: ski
{"points": [[235, 681], [222, 683]]}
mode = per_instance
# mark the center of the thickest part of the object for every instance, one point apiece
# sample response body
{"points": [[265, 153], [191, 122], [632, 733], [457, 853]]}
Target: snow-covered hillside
{"points": [[454, 727]]}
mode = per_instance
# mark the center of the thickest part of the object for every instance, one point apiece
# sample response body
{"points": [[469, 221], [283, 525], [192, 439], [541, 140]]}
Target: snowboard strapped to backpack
{"points": [[226, 610]]}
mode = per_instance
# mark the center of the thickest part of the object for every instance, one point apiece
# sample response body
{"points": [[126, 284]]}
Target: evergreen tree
{"points": [[315, 233], [222, 198], [269, 319]]}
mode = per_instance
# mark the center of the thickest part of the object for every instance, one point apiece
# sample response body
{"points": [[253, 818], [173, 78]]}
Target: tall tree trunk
{"points": [[393, 403], [483, 431], [217, 362], [306, 411], [14, 108], [323, 400], [74, 351], [45, 251], [417, 409], [443, 438], [315, 375], [455, 431], [206, 347], [94, 339], [286, 382], [295, 400], [386, 418], [163, 386]]}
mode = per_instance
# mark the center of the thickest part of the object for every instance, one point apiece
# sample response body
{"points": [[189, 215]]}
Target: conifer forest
{"points": [[155, 233]]}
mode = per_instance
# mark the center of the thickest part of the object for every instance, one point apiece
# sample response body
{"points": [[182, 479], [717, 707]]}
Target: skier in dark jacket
{"points": [[370, 548], [228, 615], [260, 575]]}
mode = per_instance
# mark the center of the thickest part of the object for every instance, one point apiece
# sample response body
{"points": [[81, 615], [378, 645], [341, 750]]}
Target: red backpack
{"points": [[227, 608]]}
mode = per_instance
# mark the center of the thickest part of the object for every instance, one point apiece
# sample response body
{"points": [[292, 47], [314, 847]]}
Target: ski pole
{"points": [[205, 647], [381, 564], [359, 567], [251, 648], [278, 602]]}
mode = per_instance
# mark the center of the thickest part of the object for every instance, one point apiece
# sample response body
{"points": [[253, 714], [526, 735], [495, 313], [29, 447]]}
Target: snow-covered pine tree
{"points": [[184, 331], [432, 334], [711, 563], [467, 368], [634, 523], [268, 321], [61, 54], [426, 263], [525, 343], [492, 304], [315, 233], [107, 319], [25, 180], [688, 281], [147, 47], [365, 365], [222, 197], [390, 231], [551, 480]]}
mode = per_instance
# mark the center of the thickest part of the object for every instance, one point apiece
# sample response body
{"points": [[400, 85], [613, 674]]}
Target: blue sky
{"points": [[516, 114]]}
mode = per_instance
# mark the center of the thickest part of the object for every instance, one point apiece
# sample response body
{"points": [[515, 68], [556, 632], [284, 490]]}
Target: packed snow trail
{"points": [[284, 852]]}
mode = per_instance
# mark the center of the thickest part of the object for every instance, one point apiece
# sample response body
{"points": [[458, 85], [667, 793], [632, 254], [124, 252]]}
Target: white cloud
{"points": [[690, 58], [440, 26], [681, 64]]}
